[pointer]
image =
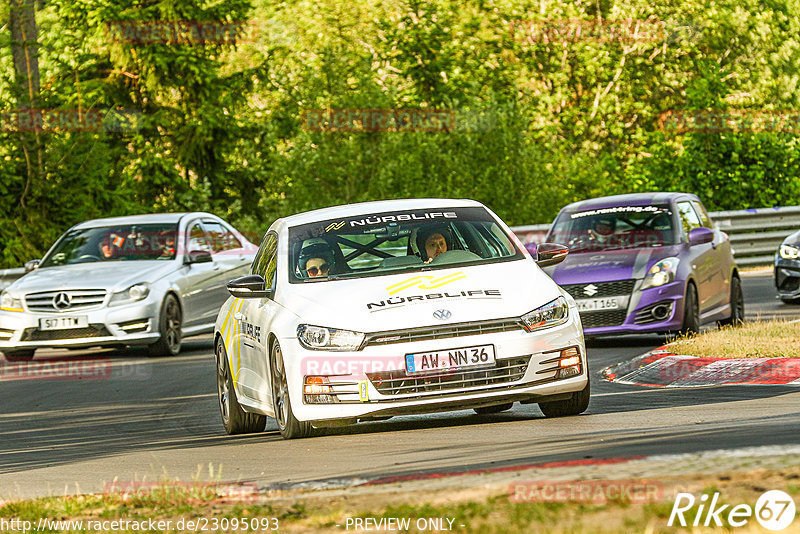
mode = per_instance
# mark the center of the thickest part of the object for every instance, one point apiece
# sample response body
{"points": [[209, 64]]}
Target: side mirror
{"points": [[199, 256], [32, 265], [698, 236], [251, 286], [550, 254], [533, 248]]}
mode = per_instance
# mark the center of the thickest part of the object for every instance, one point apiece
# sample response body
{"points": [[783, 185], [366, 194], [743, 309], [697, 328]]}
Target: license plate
{"points": [[610, 303], [64, 323], [450, 359]]}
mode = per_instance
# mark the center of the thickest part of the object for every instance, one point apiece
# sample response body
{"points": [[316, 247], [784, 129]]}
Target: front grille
{"points": [[442, 332], [94, 330], [600, 289], [595, 319], [5, 333], [77, 299], [398, 383]]}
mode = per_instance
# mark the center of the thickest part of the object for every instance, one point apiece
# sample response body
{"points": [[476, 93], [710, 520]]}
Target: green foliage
{"points": [[539, 122]]}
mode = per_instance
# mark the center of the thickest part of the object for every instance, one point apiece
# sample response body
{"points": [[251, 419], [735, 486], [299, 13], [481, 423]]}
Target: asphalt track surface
{"points": [[153, 418]]}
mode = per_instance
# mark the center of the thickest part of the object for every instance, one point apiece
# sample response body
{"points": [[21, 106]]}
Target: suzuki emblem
{"points": [[590, 290], [442, 315], [62, 301]]}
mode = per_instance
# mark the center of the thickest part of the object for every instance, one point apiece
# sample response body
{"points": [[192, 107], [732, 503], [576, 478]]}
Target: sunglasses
{"points": [[314, 271]]}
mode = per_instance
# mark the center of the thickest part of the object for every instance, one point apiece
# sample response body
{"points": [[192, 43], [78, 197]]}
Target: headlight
{"points": [[320, 338], [788, 252], [132, 294], [553, 313], [9, 302], [662, 272]]}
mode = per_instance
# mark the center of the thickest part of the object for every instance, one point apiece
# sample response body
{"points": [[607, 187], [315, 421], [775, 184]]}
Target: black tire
{"points": [[691, 312], [486, 410], [170, 321], [737, 304], [234, 418], [288, 425], [25, 355], [576, 404], [792, 302]]}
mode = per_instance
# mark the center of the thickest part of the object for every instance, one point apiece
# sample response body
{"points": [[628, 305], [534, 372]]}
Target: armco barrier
{"points": [[755, 234], [7, 276]]}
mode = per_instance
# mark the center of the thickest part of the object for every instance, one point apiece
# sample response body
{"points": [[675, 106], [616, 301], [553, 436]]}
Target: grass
{"points": [[469, 512], [767, 339]]}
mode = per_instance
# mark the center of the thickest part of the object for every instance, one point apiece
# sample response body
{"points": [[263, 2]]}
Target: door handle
{"points": [[239, 316]]}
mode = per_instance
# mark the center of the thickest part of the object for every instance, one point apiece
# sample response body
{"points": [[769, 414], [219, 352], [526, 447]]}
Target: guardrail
{"points": [[7, 276], [755, 234]]}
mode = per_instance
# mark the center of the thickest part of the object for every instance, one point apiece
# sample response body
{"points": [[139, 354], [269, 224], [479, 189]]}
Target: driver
{"points": [[316, 260], [433, 241], [107, 245], [604, 228], [166, 243]]}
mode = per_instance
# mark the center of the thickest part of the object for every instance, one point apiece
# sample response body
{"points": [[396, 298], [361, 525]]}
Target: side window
{"points": [[702, 213], [266, 262], [221, 238], [197, 239], [689, 219]]}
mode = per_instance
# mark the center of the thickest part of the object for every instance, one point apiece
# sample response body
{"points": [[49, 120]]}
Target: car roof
{"points": [[631, 199], [378, 206], [148, 218]]}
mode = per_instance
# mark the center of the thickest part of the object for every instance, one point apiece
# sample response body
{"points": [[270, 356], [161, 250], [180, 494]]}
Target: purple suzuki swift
{"points": [[644, 263]]}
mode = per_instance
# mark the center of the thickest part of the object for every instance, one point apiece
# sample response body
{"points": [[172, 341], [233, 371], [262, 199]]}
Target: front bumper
{"points": [[787, 278], [130, 324], [360, 380], [653, 310]]}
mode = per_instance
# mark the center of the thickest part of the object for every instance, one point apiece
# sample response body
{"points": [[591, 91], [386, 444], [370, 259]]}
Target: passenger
{"points": [[316, 260]]}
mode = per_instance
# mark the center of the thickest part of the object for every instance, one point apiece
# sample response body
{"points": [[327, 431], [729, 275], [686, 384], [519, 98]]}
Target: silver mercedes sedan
{"points": [[146, 280]]}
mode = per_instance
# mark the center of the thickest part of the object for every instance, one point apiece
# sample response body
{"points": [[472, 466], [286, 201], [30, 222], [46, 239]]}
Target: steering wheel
{"points": [[454, 256], [86, 257]]}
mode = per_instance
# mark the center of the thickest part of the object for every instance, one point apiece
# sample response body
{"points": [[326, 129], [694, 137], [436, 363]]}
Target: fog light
{"points": [[568, 372], [569, 363], [317, 390]]}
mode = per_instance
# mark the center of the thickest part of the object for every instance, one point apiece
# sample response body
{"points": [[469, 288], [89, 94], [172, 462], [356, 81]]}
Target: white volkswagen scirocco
{"points": [[367, 311]]}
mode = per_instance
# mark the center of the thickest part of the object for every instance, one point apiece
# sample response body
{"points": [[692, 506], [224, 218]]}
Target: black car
{"points": [[787, 269]]}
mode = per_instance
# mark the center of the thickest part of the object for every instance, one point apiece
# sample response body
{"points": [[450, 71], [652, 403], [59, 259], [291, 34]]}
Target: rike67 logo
{"points": [[774, 510]]}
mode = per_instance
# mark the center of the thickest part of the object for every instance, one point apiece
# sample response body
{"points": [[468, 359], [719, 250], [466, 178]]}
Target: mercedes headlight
{"points": [[553, 313], [9, 302], [134, 293], [788, 252], [321, 338], [662, 272]]}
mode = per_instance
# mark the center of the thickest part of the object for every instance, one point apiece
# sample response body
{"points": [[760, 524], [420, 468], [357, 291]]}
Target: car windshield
{"points": [[614, 228], [385, 243], [125, 242]]}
